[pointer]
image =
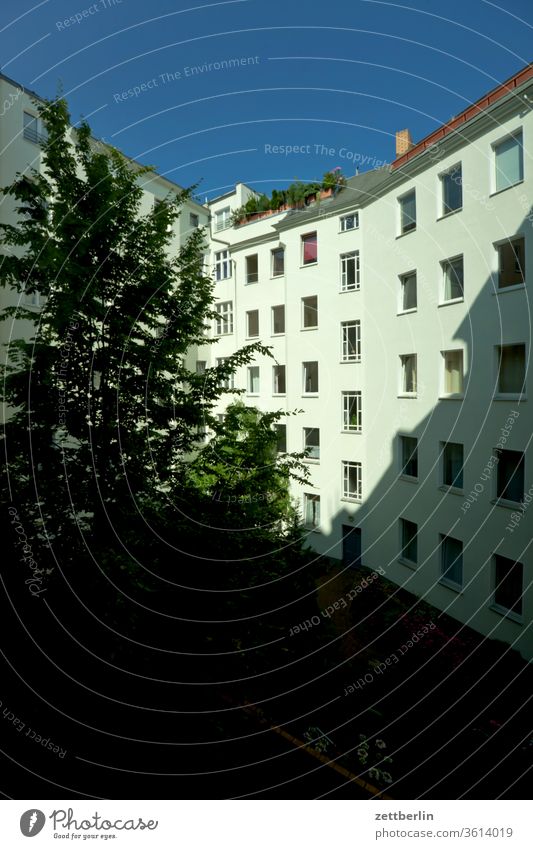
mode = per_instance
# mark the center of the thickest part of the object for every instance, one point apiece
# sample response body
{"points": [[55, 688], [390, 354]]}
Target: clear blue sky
{"points": [[336, 78]]}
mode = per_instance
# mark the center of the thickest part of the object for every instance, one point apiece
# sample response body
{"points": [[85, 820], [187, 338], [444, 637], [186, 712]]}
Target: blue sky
{"points": [[335, 79]]}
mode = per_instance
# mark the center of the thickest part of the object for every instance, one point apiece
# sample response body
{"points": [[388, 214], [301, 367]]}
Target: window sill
{"points": [[504, 502], [408, 478], [252, 337], [275, 335], [507, 614], [509, 396], [407, 395], [516, 287], [309, 394], [251, 282], [459, 396], [452, 490], [448, 214], [407, 312], [408, 563], [303, 329], [348, 230], [451, 301], [309, 264], [352, 430], [252, 394], [451, 585], [344, 362], [277, 276], [312, 529], [505, 189], [279, 394], [406, 233], [313, 461], [351, 500], [345, 291]]}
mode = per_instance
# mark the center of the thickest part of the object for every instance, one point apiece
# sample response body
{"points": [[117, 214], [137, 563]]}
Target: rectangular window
{"points": [[253, 380], [350, 272], [409, 541], [452, 464], [352, 420], [194, 220], [201, 366], [311, 510], [309, 249], [225, 382], [281, 446], [511, 264], [34, 129], [511, 369], [408, 292], [222, 265], [408, 374], [224, 321], [310, 378], [252, 269], [508, 584], [34, 299], [453, 372], [351, 341], [222, 219], [279, 385], [278, 262], [451, 561], [509, 162], [349, 222], [310, 312], [352, 486], [452, 190], [278, 319], [453, 279], [252, 323], [408, 212], [409, 456], [312, 443], [510, 475]]}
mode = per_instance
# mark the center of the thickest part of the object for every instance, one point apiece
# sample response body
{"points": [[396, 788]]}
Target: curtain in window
{"points": [[509, 162], [453, 372]]}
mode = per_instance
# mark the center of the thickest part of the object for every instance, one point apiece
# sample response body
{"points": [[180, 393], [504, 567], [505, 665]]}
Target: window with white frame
{"points": [[201, 366], [408, 380], [409, 456], [252, 268], [32, 299], [279, 386], [508, 585], [452, 190], [312, 442], [310, 312], [408, 301], [222, 219], [511, 361], [222, 265], [194, 220], [452, 279], [407, 212], [224, 320], [511, 265], [311, 510], [281, 446], [310, 377], [409, 541], [278, 319], [352, 484], [349, 222], [309, 248], [352, 419], [252, 323], [452, 464], [253, 380], [278, 262], [508, 162], [451, 561], [351, 341], [510, 475], [453, 372], [227, 382], [350, 272], [34, 129]]}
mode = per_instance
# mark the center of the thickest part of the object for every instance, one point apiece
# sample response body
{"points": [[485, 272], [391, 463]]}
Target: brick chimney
{"points": [[404, 142]]}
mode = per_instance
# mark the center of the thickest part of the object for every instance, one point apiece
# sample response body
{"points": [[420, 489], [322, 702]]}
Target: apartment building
{"points": [[398, 315], [397, 311]]}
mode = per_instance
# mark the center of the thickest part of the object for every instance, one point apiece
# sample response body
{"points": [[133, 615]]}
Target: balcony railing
{"points": [[33, 135]]}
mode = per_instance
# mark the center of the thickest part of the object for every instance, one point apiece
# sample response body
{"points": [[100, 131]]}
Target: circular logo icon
{"points": [[32, 822]]}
